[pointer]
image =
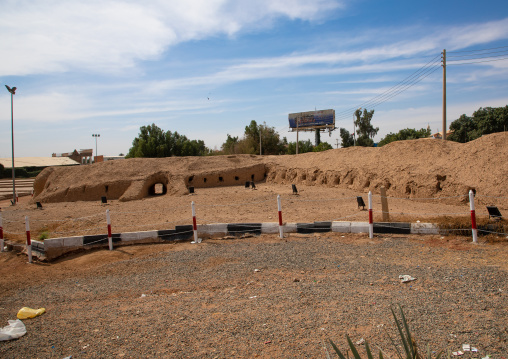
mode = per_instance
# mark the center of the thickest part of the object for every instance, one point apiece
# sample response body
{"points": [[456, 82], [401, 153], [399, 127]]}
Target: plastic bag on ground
{"points": [[26, 313], [14, 330]]}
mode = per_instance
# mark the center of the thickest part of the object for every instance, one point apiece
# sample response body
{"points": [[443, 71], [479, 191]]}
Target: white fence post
{"points": [[473, 217], [28, 240], [194, 223], [279, 207], [110, 237]]}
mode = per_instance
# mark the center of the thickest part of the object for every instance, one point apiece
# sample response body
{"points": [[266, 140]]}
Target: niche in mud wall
{"points": [[157, 189], [229, 177]]}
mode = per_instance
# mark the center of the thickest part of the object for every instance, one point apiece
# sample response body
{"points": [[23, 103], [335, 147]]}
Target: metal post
{"points": [[96, 135], [12, 136], [444, 94], [297, 122]]}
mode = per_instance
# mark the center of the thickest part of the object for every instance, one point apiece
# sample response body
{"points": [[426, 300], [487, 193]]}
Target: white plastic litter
{"points": [[404, 278], [14, 330], [466, 347]]}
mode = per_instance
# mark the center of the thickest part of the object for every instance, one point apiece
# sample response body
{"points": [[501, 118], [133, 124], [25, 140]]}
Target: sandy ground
{"points": [[259, 297], [234, 204], [179, 300]]}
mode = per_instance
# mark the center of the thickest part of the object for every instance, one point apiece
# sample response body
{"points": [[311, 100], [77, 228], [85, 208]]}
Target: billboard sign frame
{"points": [[312, 120]]}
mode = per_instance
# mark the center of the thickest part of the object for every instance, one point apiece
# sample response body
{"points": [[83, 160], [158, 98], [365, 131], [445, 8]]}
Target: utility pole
{"points": [[444, 94], [12, 92]]}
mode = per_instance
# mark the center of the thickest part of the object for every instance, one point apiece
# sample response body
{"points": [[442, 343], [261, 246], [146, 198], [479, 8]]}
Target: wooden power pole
{"points": [[444, 94]]}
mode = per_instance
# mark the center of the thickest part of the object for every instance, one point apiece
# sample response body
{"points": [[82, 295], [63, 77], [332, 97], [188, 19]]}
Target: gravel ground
{"points": [[259, 297]]}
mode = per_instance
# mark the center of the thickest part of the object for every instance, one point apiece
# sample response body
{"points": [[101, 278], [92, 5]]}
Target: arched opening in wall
{"points": [[252, 177], [221, 179], [158, 189], [204, 180], [237, 178], [106, 188], [190, 179]]}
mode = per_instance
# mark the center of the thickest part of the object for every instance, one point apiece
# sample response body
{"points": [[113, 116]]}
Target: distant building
{"points": [[439, 135], [103, 158], [37, 162], [83, 156]]}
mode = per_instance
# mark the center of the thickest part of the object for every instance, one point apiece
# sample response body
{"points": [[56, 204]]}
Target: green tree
{"points": [[366, 131], [152, 141], [323, 146], [347, 139], [484, 121], [271, 144], [405, 134], [228, 147], [303, 147]]}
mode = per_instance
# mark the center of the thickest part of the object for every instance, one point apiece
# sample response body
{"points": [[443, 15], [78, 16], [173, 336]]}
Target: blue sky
{"points": [[206, 68]]}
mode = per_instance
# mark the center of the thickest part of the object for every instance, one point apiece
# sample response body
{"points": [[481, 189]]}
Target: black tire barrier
{"points": [[392, 227], [180, 233], [316, 227], [101, 239]]}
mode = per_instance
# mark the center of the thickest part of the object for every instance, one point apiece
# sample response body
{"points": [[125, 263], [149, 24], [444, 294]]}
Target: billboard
{"points": [[312, 119]]}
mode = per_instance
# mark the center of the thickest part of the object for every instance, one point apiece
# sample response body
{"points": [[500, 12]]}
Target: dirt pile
{"points": [[416, 168]]}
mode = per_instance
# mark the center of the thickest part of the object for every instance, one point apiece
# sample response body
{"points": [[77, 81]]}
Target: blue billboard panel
{"points": [[312, 119]]}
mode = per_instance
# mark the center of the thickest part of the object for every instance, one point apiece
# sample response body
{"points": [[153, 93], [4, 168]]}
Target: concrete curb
{"points": [[54, 247]]}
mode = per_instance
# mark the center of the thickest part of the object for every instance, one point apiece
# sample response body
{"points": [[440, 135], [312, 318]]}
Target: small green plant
{"points": [[408, 343], [43, 235]]}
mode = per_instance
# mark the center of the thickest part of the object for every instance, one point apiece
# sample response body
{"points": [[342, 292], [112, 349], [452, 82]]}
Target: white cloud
{"points": [[109, 35], [49, 107]]}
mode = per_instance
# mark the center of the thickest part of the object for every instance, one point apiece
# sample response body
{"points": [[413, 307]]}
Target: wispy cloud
{"points": [[106, 35]]}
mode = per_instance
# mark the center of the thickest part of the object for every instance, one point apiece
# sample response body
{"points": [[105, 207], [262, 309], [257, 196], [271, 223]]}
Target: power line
{"points": [[486, 53], [400, 87], [480, 58], [492, 48], [475, 62]]}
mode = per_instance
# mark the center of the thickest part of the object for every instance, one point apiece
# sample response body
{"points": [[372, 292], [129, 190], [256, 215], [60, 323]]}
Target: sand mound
{"points": [[416, 168]]}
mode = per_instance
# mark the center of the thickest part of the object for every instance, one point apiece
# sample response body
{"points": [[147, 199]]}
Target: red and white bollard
{"points": [[371, 222], [1, 232], [279, 207], [28, 240], [473, 217], [194, 223], [17, 197], [110, 237]]}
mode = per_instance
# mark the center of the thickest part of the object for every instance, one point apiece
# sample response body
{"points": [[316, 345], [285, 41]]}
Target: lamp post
{"points": [[12, 91], [96, 135]]}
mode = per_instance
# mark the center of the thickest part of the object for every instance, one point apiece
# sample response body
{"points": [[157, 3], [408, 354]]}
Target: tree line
{"points": [[152, 141]]}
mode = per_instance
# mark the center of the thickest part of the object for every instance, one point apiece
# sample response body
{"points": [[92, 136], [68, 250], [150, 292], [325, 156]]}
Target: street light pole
{"points": [[12, 91], [96, 135]]}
